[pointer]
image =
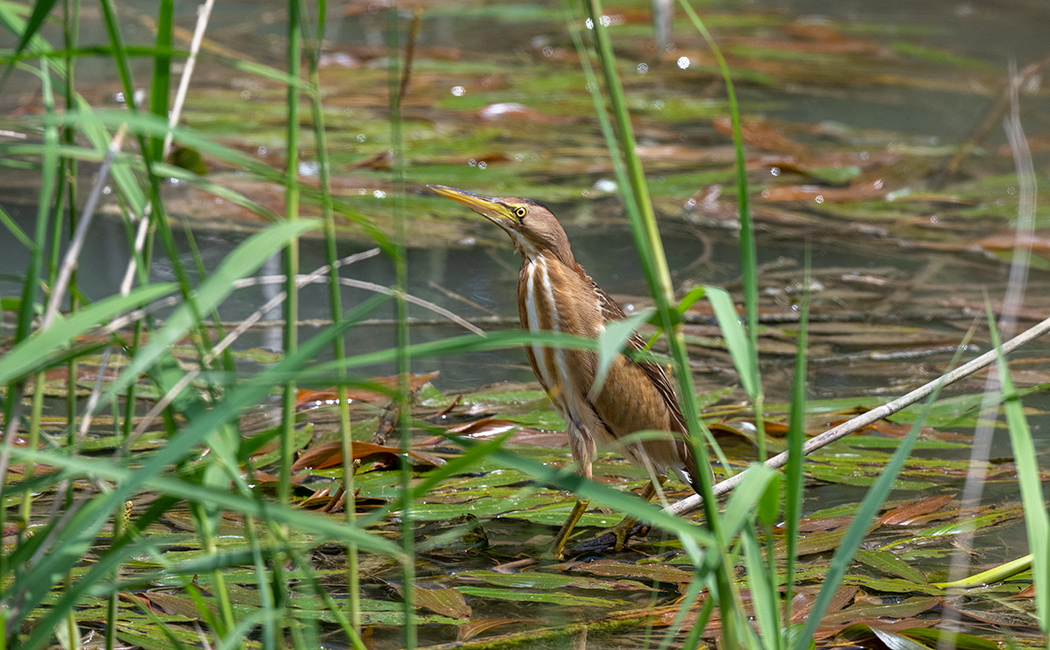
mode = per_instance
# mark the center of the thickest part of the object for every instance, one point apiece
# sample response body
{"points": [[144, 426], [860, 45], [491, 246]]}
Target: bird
{"points": [[556, 294]]}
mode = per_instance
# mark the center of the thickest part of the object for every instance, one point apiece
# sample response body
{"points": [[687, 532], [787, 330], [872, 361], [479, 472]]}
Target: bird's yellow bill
{"points": [[486, 206]]}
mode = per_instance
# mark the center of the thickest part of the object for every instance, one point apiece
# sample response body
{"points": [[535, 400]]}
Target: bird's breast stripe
{"points": [[536, 326], [556, 355]]}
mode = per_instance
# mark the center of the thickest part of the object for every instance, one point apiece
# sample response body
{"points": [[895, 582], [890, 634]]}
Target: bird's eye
{"points": [[520, 212]]}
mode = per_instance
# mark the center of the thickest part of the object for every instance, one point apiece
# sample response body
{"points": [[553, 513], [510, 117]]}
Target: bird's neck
{"points": [[531, 253]]}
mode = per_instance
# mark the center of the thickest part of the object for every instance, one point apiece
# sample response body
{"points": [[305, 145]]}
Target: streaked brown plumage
{"points": [[556, 294]]}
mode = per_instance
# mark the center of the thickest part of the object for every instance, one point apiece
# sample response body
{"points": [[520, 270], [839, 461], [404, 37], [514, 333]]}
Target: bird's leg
{"points": [[566, 529], [622, 530]]}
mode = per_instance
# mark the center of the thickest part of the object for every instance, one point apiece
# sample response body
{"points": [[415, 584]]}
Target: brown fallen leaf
{"points": [[259, 477], [903, 515], [330, 395], [821, 193], [330, 454], [612, 568], [379, 161], [169, 604], [810, 525], [761, 135], [875, 612], [1009, 241], [484, 427], [1027, 592], [843, 596], [442, 601], [468, 631]]}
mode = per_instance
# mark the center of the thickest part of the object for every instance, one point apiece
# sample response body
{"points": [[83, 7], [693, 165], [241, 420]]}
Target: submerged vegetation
{"points": [[174, 479]]}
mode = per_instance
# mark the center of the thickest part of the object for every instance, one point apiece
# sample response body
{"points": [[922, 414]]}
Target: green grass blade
{"points": [[41, 10], [736, 339], [598, 493], [748, 251], [243, 261], [858, 528], [290, 254], [79, 528], [794, 479], [34, 353], [631, 181], [403, 355], [16, 231], [160, 82], [764, 594], [611, 342], [1029, 478], [745, 497]]}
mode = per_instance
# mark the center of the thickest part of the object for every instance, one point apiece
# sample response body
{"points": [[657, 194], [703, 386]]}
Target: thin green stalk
{"points": [[748, 252], [658, 278], [336, 304], [290, 255], [70, 37], [160, 86], [153, 152], [207, 519], [1029, 480], [869, 507], [290, 268], [50, 165], [157, 214], [156, 211], [51, 168], [796, 437], [262, 577], [403, 367]]}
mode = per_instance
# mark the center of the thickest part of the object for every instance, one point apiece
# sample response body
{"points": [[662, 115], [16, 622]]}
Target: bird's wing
{"points": [[675, 454], [654, 371]]}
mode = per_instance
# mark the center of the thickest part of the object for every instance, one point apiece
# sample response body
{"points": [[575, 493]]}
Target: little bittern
{"points": [[555, 294]]}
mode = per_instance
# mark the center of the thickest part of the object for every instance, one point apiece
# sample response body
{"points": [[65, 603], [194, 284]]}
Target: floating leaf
{"points": [[902, 515], [330, 454], [892, 640], [891, 585], [470, 630], [951, 639], [557, 598], [550, 581], [906, 608], [888, 563], [612, 568], [484, 427], [445, 602]]}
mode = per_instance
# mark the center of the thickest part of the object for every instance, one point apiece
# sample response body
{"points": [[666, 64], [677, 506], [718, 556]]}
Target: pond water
{"points": [[896, 286]]}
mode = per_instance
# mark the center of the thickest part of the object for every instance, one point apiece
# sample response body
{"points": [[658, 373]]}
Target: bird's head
{"points": [[532, 226]]}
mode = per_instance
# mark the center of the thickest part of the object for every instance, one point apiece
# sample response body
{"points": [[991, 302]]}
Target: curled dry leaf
{"points": [[468, 631], [612, 568], [902, 515], [330, 454], [331, 396], [442, 601], [761, 135], [484, 427]]}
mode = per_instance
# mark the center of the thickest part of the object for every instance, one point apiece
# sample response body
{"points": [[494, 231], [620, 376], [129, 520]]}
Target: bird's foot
{"points": [[623, 531], [614, 539]]}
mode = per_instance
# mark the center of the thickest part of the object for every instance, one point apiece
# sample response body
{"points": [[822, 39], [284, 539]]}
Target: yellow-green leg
{"points": [[566, 529]]}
